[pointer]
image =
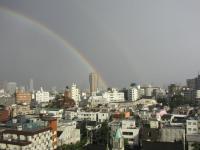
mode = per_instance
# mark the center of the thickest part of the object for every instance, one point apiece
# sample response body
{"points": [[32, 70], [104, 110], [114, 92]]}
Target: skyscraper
{"points": [[93, 79]]}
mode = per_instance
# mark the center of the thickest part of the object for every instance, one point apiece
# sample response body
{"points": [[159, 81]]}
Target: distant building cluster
{"points": [[136, 117]]}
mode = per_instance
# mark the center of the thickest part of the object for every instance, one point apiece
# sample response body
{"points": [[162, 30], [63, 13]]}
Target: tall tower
{"points": [[93, 79]]}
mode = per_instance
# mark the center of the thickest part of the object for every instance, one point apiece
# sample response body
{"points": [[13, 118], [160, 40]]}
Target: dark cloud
{"points": [[148, 42]]}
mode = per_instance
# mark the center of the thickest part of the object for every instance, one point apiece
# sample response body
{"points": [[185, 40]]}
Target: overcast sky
{"points": [[155, 42]]}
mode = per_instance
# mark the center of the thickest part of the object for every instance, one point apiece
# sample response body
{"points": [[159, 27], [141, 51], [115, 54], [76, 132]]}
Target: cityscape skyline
{"points": [[107, 75]]}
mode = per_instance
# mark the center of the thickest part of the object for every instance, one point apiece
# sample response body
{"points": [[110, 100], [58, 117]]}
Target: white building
{"points": [[95, 100], [114, 95], [27, 140], [42, 96], [133, 94], [103, 116], [69, 115], [130, 132], [75, 94], [91, 116], [192, 126], [69, 133], [197, 94]]}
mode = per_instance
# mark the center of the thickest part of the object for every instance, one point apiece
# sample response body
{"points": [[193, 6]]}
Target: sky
{"points": [[147, 42]]}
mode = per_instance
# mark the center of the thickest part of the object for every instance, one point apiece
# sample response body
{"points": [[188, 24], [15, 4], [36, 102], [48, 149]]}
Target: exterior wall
{"points": [[56, 113], [40, 141], [75, 94], [23, 97], [154, 124], [103, 117], [97, 100], [70, 115], [53, 126], [11, 87], [93, 79], [133, 94], [129, 131], [69, 135], [128, 124], [132, 135], [92, 116], [23, 110], [192, 127], [172, 134], [41, 96], [114, 96]]}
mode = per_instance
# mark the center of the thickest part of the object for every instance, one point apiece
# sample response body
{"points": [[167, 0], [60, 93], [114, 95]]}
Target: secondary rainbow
{"points": [[57, 37]]}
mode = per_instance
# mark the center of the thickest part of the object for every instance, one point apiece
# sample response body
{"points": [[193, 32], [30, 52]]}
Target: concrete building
{"points": [[5, 113], [171, 137], [69, 115], [91, 116], [93, 79], [21, 110], [75, 94], [42, 96], [23, 97], [95, 100], [114, 95], [192, 126], [103, 116], [192, 140], [189, 94], [171, 134], [133, 94], [68, 133], [11, 87], [34, 135], [99, 116], [31, 87], [26, 139], [173, 89], [197, 94], [191, 83], [130, 132], [148, 91]]}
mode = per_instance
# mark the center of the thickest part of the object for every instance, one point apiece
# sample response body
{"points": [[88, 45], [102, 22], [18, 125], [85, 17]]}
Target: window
{"points": [[127, 133], [194, 129], [194, 123], [189, 129], [189, 123], [149, 134]]}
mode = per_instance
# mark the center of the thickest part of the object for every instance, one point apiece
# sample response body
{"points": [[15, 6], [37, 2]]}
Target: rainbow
{"points": [[57, 37]]}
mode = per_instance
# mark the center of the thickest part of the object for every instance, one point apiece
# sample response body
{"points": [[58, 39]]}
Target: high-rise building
{"points": [[75, 94], [31, 88], [93, 79], [11, 87], [194, 83]]}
